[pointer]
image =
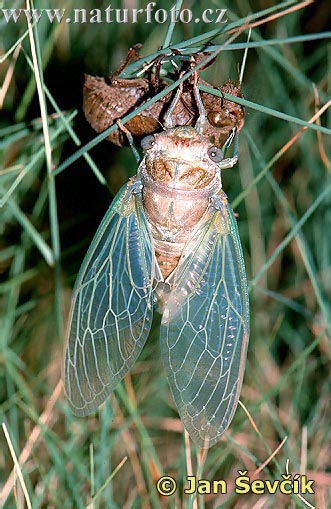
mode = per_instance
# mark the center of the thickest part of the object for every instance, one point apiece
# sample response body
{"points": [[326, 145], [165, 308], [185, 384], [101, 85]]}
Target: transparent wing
{"points": [[112, 305], [205, 327]]}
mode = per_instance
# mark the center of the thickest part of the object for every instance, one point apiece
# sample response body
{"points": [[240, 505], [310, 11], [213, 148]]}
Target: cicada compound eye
{"points": [[218, 120], [147, 142], [215, 154]]}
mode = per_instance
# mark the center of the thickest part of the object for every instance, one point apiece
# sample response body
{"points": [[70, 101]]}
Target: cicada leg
{"points": [[131, 56], [167, 119], [229, 162], [130, 140], [201, 122]]}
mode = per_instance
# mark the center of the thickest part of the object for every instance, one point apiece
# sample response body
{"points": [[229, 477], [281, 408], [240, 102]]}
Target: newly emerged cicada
{"points": [[171, 238]]}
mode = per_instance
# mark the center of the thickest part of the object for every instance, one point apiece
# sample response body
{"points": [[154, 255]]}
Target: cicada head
{"points": [[181, 158]]}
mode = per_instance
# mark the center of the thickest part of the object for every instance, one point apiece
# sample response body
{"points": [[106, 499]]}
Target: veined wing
{"points": [[112, 305], [205, 328]]}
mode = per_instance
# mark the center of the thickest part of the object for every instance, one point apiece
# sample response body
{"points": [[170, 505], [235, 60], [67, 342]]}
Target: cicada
{"points": [[169, 239]]}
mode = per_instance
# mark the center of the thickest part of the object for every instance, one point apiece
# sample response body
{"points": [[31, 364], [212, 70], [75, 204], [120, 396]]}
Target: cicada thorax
{"points": [[179, 179]]}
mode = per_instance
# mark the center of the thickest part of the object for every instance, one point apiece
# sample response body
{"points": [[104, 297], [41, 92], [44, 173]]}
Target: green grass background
{"points": [[52, 202]]}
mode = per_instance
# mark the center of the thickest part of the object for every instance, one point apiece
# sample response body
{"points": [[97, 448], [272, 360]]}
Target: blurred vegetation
{"points": [[281, 192]]}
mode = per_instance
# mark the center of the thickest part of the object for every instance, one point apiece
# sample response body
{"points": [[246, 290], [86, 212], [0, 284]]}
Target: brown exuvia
{"points": [[107, 100]]}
